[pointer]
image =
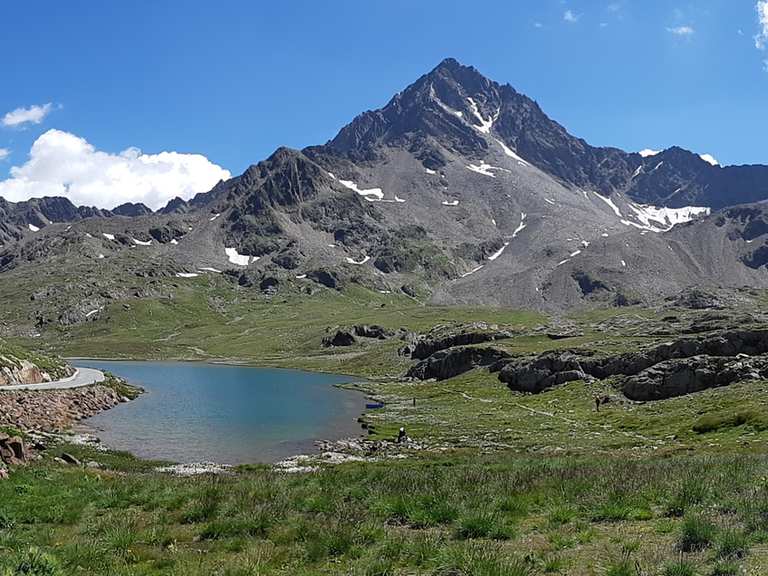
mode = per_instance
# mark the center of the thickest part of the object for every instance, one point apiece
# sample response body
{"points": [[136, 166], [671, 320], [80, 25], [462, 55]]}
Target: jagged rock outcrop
{"points": [[688, 375], [327, 278], [430, 344], [446, 364], [696, 299], [339, 338], [131, 209], [670, 369], [544, 372], [372, 331], [20, 372]]}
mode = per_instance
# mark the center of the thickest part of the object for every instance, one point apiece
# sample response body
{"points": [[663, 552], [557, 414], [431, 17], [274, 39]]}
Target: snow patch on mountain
{"points": [[108, 236], [369, 194], [33, 228], [511, 153], [498, 252], [141, 242], [610, 203], [443, 105], [358, 262], [239, 259], [647, 152], [186, 275], [485, 125], [483, 168], [655, 219], [708, 158], [450, 202], [472, 271], [520, 226]]}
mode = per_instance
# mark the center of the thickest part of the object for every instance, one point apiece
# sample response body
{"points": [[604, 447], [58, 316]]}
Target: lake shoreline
{"points": [[172, 447], [56, 411], [222, 362]]}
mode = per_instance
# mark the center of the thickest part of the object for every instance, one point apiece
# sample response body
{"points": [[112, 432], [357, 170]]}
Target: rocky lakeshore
{"points": [[55, 410]]}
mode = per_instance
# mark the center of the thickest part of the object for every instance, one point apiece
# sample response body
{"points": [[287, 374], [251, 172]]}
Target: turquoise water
{"points": [[193, 412]]}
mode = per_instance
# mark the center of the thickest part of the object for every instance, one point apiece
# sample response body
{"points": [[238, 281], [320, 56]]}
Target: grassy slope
{"points": [[207, 319], [454, 514], [11, 355], [538, 484]]}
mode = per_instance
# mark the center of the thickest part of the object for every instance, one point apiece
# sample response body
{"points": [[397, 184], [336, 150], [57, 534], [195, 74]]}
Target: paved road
{"points": [[83, 377]]}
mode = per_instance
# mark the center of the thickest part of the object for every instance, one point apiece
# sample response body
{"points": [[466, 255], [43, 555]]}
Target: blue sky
{"points": [[234, 80]]}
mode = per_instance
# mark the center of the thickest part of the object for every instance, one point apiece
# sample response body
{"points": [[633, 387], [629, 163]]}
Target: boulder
{"points": [[546, 371], [67, 458], [339, 338], [327, 278], [564, 334], [372, 331], [12, 450], [269, 285], [446, 364]]}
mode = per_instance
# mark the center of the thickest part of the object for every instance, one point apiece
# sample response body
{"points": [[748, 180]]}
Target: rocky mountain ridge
{"points": [[460, 191]]}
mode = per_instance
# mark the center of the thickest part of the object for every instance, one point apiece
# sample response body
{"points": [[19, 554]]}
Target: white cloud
{"points": [[571, 16], [32, 115], [762, 18], [4, 153], [685, 31], [62, 164]]}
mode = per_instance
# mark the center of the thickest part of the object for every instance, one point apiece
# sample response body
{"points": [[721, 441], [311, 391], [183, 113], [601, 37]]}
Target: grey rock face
{"points": [[427, 346], [454, 361], [131, 210], [340, 338], [672, 369], [685, 376], [372, 331], [460, 191], [544, 372]]}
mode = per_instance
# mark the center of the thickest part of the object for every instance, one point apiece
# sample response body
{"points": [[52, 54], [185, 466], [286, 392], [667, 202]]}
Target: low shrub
{"points": [[696, 533]]}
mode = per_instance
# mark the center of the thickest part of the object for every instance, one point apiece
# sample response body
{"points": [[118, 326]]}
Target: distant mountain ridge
{"points": [[459, 190]]}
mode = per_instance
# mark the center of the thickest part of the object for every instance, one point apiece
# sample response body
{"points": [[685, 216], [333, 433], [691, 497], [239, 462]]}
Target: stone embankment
{"points": [[54, 410]]}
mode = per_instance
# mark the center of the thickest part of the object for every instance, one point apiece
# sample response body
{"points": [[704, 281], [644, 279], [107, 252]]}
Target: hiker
{"points": [[597, 403], [401, 435]]}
